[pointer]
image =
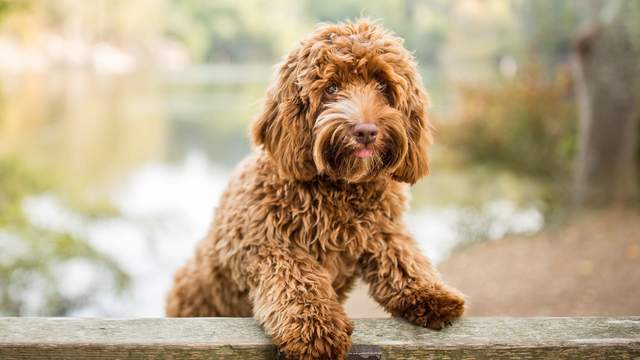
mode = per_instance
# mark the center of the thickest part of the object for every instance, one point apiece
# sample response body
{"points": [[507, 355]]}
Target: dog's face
{"points": [[347, 103]]}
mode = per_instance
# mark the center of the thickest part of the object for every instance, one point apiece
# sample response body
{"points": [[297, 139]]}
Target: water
{"points": [[137, 163]]}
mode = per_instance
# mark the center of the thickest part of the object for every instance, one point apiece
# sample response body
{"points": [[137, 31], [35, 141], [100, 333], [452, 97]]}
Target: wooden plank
{"points": [[241, 338]]}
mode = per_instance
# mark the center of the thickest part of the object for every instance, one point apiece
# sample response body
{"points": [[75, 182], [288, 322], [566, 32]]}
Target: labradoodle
{"points": [[320, 201]]}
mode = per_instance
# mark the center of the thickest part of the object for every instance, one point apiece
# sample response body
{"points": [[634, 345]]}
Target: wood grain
{"points": [[242, 338]]}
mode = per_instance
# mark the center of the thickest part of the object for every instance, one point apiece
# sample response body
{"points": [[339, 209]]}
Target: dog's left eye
{"points": [[332, 89], [381, 86]]}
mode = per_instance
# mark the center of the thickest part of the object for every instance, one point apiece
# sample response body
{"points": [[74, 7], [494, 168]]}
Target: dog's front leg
{"points": [[403, 281], [294, 301]]}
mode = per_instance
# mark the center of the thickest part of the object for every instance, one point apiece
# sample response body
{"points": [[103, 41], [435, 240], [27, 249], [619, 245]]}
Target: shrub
{"points": [[525, 124]]}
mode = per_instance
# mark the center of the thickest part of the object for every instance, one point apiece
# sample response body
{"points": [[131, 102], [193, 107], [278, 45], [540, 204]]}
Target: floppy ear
{"points": [[282, 129], [416, 163]]}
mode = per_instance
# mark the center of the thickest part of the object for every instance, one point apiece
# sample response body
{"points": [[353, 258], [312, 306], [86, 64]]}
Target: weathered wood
{"points": [[241, 338]]}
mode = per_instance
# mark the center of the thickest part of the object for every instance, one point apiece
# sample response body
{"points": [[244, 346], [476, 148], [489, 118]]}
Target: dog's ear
{"points": [[283, 129], [414, 105]]}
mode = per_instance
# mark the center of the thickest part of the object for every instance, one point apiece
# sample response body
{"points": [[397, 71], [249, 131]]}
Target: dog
{"points": [[320, 201]]}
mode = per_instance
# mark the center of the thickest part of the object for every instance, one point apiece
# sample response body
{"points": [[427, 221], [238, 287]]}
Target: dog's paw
{"points": [[434, 307], [315, 339]]}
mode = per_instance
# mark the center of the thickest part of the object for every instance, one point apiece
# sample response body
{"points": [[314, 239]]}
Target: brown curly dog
{"points": [[321, 202]]}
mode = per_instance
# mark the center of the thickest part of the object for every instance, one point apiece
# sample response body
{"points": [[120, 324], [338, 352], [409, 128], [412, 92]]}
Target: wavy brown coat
{"points": [[303, 217]]}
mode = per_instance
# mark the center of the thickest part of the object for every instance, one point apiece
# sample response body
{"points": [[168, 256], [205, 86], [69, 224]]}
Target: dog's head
{"points": [[347, 103]]}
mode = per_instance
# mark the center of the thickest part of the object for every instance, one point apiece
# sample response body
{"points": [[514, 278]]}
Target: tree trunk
{"points": [[606, 72]]}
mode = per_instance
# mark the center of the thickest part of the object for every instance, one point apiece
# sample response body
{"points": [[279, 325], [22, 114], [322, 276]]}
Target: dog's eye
{"points": [[381, 86], [332, 89]]}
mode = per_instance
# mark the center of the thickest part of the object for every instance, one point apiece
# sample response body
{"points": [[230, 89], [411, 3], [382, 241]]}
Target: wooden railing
{"points": [[241, 338]]}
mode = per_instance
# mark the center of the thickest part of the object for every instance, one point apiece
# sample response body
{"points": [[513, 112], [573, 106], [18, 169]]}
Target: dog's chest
{"points": [[335, 223], [338, 234]]}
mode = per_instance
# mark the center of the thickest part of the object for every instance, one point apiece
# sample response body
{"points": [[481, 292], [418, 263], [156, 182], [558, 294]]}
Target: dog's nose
{"points": [[365, 133]]}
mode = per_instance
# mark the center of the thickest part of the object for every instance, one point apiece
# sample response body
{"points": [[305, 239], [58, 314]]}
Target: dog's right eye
{"points": [[331, 89]]}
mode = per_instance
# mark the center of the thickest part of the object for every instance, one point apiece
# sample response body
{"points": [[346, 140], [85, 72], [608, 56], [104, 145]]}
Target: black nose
{"points": [[365, 133]]}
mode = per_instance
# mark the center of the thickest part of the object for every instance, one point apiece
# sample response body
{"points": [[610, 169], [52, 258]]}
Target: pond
{"points": [[130, 166]]}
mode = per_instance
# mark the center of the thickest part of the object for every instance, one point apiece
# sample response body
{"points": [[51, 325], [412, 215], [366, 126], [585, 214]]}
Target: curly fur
{"points": [[303, 216]]}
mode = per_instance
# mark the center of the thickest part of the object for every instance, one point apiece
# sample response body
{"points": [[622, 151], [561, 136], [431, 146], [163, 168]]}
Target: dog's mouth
{"points": [[364, 152]]}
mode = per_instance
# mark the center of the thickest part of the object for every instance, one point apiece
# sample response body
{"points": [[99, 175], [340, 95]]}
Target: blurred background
{"points": [[120, 122]]}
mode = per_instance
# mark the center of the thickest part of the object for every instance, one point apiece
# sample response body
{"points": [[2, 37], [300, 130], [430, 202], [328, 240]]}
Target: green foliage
{"points": [[330, 11], [17, 181], [218, 31], [6, 6], [31, 257], [525, 125], [546, 27], [631, 18]]}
